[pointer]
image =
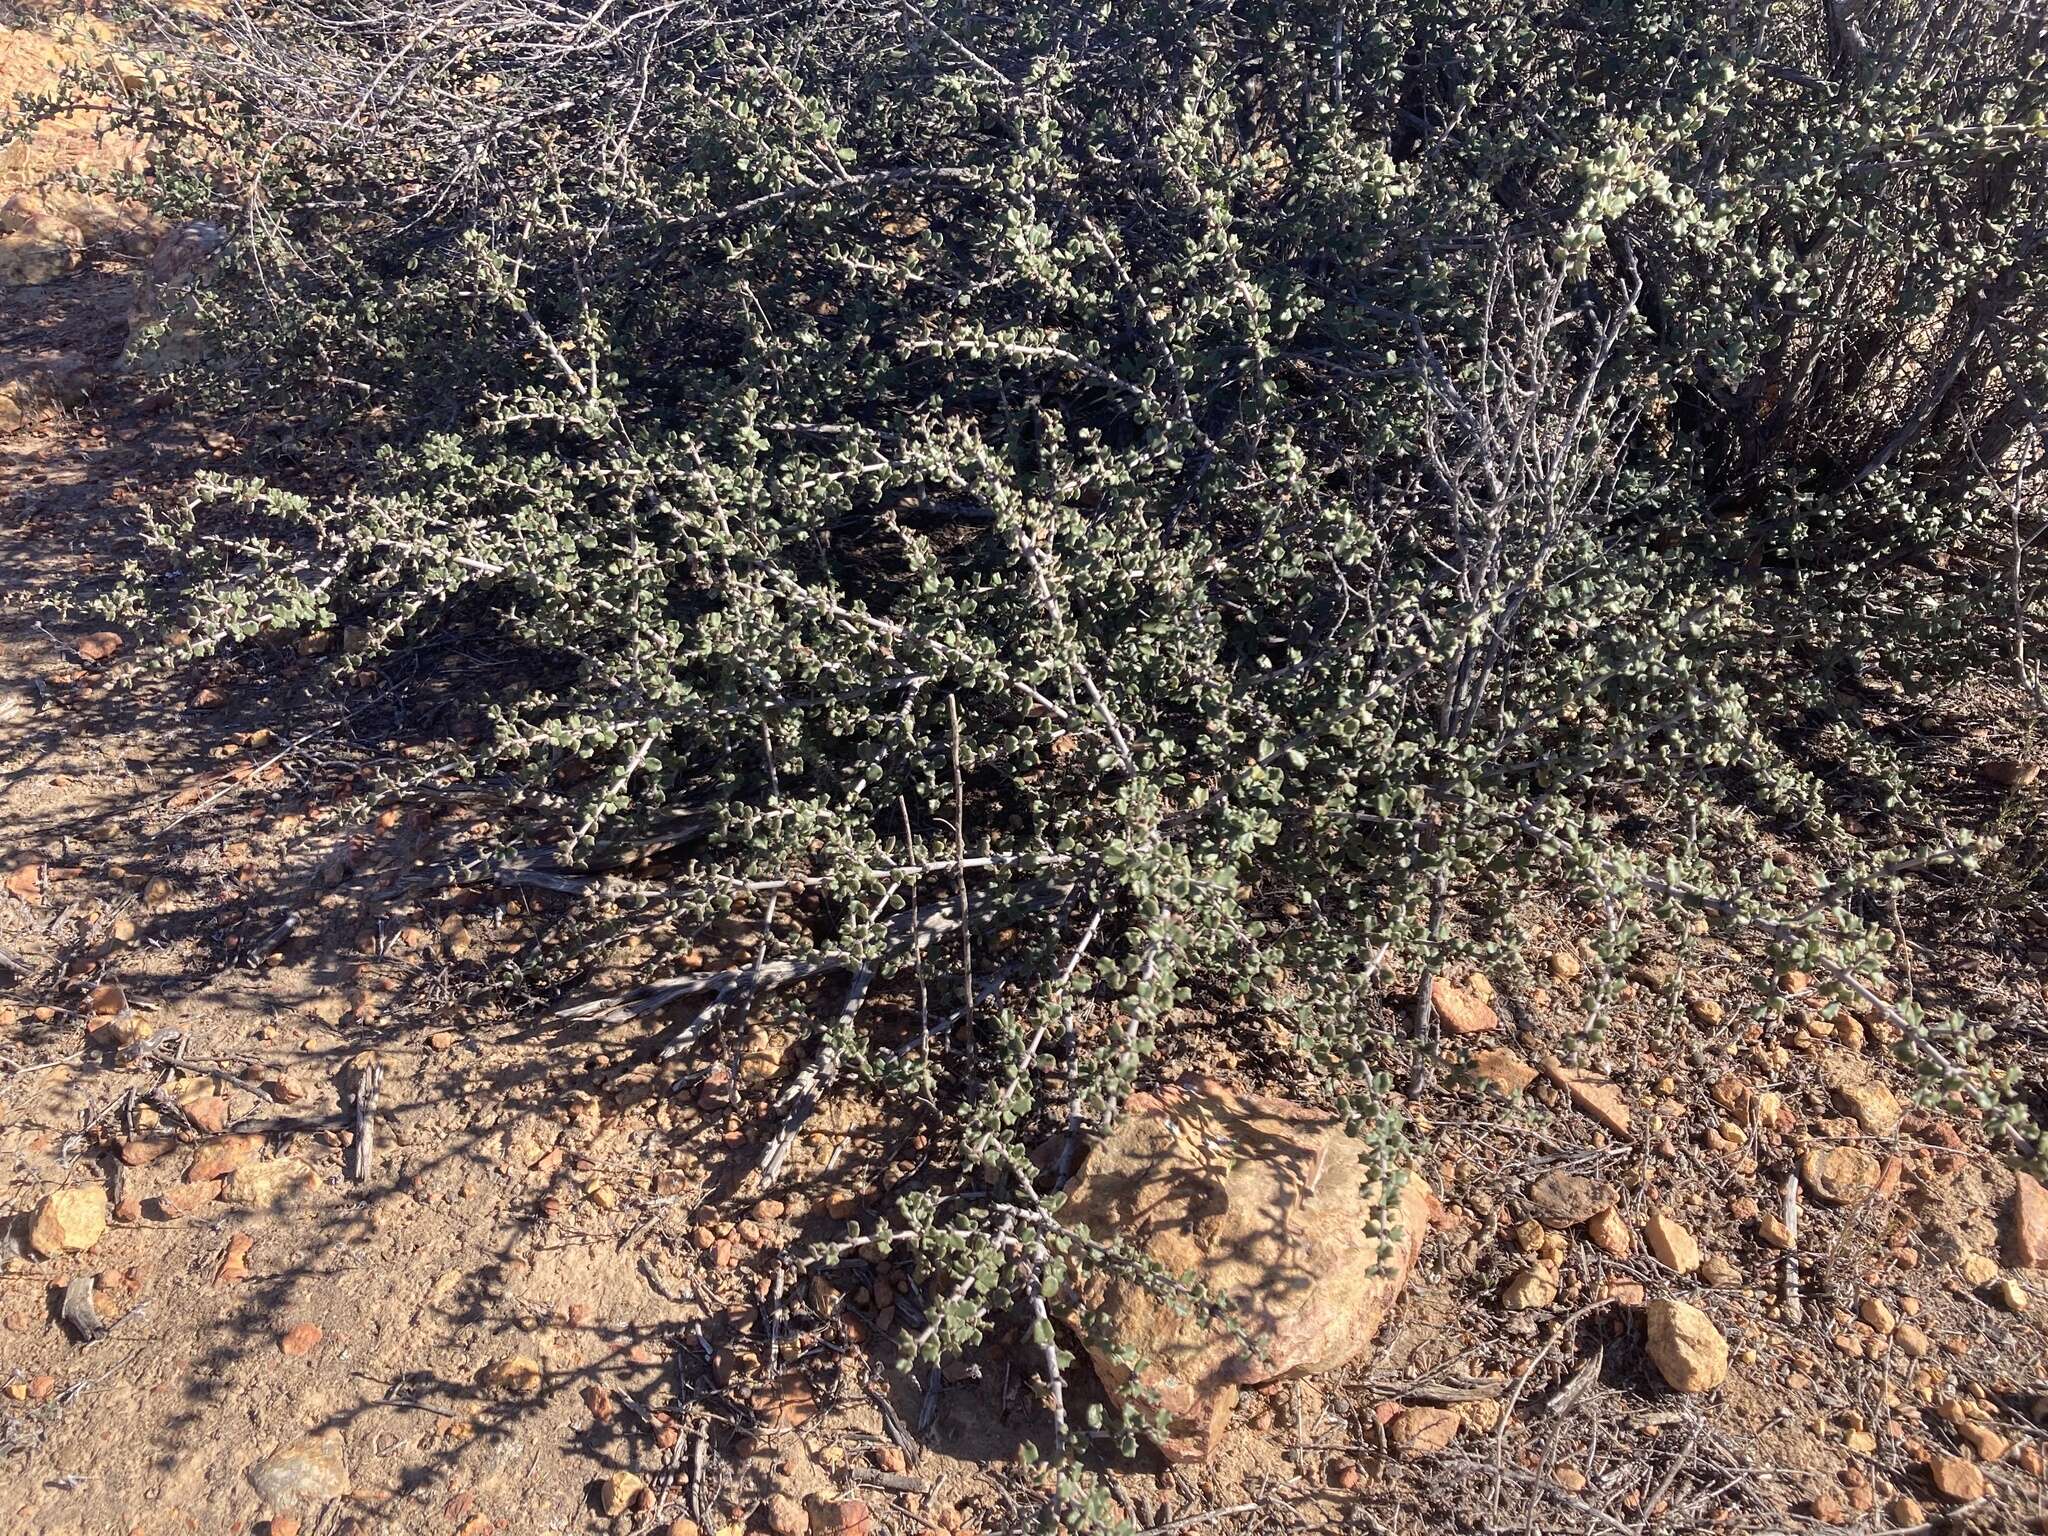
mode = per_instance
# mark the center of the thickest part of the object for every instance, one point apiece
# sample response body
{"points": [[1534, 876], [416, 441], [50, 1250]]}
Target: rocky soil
{"points": [[320, 1220]]}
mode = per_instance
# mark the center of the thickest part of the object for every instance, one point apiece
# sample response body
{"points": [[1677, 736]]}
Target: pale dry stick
{"points": [[960, 869], [803, 1096], [1788, 1273], [899, 635], [924, 999], [251, 777], [800, 1099], [619, 781], [1949, 1520], [1073, 1038], [1507, 1414], [2031, 673], [775, 1323], [1189, 1522], [1656, 1497], [902, 871], [616, 1008], [649, 997], [1148, 968]]}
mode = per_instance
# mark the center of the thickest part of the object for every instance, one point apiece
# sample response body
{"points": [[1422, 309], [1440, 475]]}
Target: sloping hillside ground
{"points": [[549, 1304]]}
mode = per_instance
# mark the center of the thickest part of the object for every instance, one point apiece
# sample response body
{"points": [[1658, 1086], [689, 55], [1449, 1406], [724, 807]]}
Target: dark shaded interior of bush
{"points": [[1106, 509]]}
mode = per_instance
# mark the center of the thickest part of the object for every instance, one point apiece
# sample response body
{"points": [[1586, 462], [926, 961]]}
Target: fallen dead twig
{"points": [[1186, 1522], [78, 1312], [254, 775], [362, 1152], [1788, 1271]]}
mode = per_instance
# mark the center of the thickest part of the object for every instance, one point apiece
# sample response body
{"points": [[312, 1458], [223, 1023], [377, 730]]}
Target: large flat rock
{"points": [[1267, 1206]]}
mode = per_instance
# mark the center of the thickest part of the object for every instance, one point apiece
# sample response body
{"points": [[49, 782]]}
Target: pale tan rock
{"points": [[1418, 1432], [1503, 1071], [615, 1493], [1956, 1479], [1979, 1270], [303, 1476], [1462, 1011], [1879, 1316], [266, 1183], [1871, 1105], [1530, 1288], [69, 1221], [1717, 1269], [29, 260], [1265, 1204], [1675, 1248], [1565, 966], [2010, 1294], [1840, 1175], [1686, 1347], [1593, 1095], [1610, 1234], [1985, 1442], [2027, 1240], [1912, 1341]]}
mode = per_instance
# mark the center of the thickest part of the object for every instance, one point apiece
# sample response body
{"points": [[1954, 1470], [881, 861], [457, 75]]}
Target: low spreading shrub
{"points": [[1106, 512]]}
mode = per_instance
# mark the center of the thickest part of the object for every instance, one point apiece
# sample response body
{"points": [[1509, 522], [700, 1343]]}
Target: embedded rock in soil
{"points": [[218, 1159], [1840, 1175], [69, 1221], [514, 1376], [1686, 1347], [1503, 1071], [839, 1517], [1462, 1010], [2028, 1243], [302, 1476], [31, 259], [2009, 772], [266, 1183], [1419, 1432], [1562, 1200], [1262, 1202], [1675, 1248], [1871, 1105], [1593, 1095]]}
